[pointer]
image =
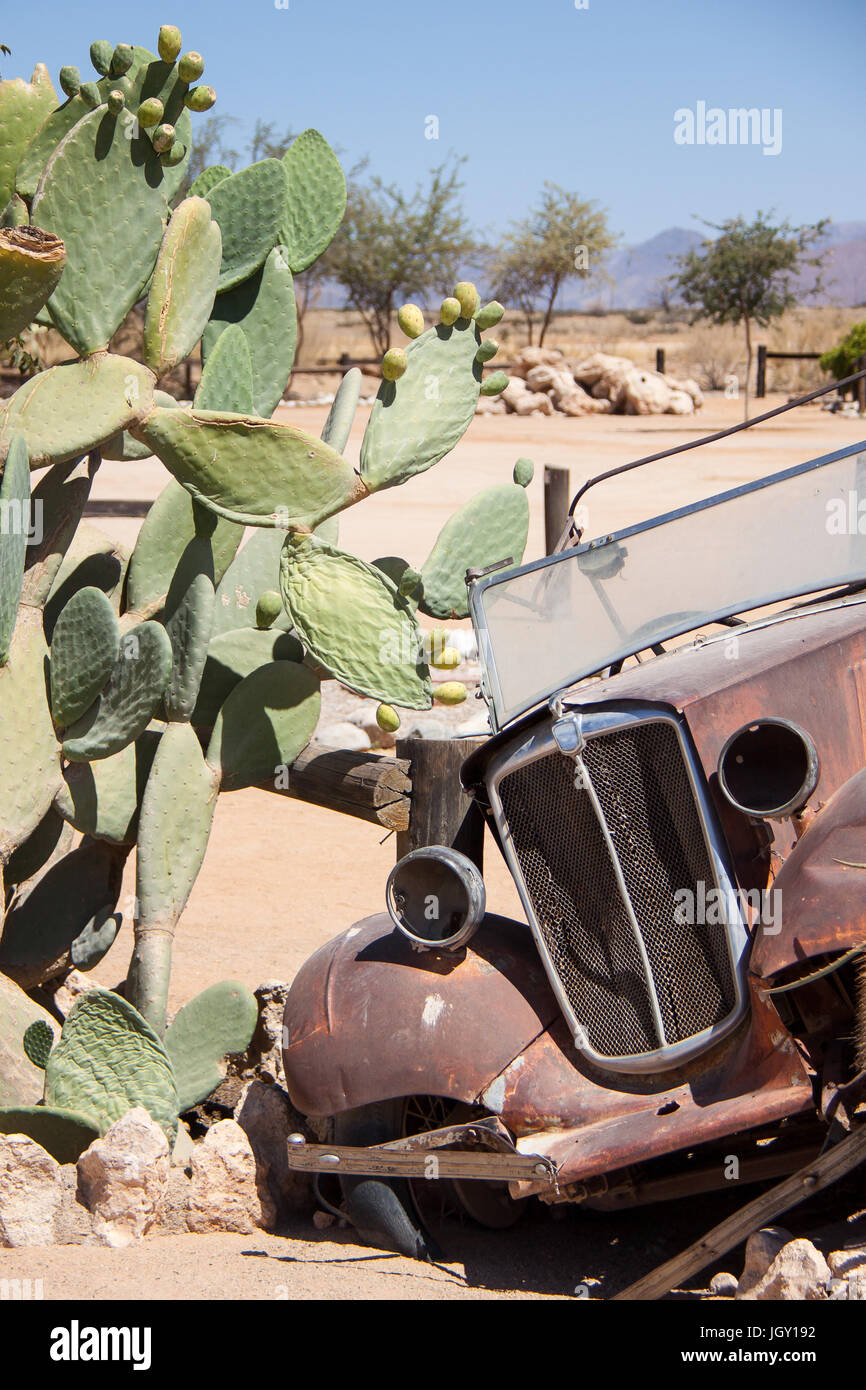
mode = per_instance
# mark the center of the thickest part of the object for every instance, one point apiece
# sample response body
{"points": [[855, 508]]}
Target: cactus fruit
{"points": [[249, 208], [219, 1021], [435, 640], [450, 693], [449, 311], [107, 1060], [388, 719], [490, 315], [183, 287], [89, 93], [492, 526], [268, 608], [411, 320], [15, 519], [315, 199], [190, 67], [65, 1134], [115, 102], [226, 383], [163, 138], [467, 297], [447, 659], [263, 307], [173, 156], [38, 1041], [494, 385], [169, 42], [394, 364], [488, 349], [200, 98], [524, 471], [150, 113], [354, 621], [129, 699], [70, 81], [84, 648]]}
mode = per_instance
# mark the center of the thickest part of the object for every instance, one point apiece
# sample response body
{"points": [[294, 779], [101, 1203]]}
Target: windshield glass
{"points": [[546, 625]]}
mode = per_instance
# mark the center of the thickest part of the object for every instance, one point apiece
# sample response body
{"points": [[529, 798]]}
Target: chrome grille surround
{"points": [[596, 863]]}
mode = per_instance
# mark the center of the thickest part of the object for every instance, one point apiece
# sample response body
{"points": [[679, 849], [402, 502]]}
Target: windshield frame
{"points": [[490, 685]]}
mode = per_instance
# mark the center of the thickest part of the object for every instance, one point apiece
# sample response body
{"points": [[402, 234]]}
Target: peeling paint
{"points": [[433, 1007], [494, 1097]]}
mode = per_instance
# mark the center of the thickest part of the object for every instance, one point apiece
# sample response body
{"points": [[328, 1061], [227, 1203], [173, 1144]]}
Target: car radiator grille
{"points": [[642, 784]]}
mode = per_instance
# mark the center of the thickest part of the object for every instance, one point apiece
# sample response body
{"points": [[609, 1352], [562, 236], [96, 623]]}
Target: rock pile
{"points": [[781, 1269], [544, 382]]}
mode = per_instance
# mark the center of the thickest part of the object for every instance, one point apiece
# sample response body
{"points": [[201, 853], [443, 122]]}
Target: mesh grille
{"points": [[642, 784]]}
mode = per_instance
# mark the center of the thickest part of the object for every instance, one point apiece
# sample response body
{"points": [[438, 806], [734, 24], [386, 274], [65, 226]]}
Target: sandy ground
{"points": [[281, 877]]}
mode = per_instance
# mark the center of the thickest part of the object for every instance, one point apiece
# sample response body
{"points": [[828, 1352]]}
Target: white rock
{"points": [[343, 735], [534, 356], [532, 403], [590, 370], [548, 377], [841, 1262], [267, 1117], [689, 385], [761, 1250], [224, 1194], [514, 392], [122, 1178], [798, 1273], [478, 725], [680, 403], [724, 1285], [644, 393], [31, 1193], [265, 1049], [183, 1147], [491, 405], [427, 728]]}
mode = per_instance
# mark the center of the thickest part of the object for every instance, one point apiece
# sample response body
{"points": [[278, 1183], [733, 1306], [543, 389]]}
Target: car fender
{"points": [[821, 887], [369, 1018]]}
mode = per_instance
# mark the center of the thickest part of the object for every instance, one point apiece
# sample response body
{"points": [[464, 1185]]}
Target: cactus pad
{"points": [[109, 1060], [257, 472], [264, 723], [219, 1021], [316, 199], [183, 287], [227, 380], [353, 620], [249, 209], [24, 106], [208, 179], [84, 647], [31, 263], [129, 699], [338, 426], [30, 766], [254, 570], [38, 1041], [233, 655], [14, 525], [491, 526], [65, 1134], [102, 798], [188, 618], [172, 522], [264, 308]]}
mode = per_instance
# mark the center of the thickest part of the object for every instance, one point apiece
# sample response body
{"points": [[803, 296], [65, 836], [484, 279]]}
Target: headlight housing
{"points": [[436, 898]]}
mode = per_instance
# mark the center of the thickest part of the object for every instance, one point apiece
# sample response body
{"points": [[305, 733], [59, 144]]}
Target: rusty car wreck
{"points": [[676, 780]]}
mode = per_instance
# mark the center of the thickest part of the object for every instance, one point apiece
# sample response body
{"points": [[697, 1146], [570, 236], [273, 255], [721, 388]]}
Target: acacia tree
{"points": [[745, 274], [565, 237], [394, 246]]}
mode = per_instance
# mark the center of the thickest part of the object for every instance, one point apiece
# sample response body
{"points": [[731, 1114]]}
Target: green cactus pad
{"points": [[84, 648], [219, 1021], [491, 526], [109, 1060], [227, 380], [60, 497], [91, 558], [65, 1134], [129, 699], [264, 723], [70, 409], [43, 924], [101, 799], [316, 199], [254, 570], [354, 621], [31, 263], [97, 177], [256, 472], [264, 308], [14, 527], [95, 940], [338, 426], [416, 421], [51, 836], [188, 618], [24, 107], [30, 766], [168, 528], [183, 287], [234, 655], [249, 208], [38, 1041], [208, 179]]}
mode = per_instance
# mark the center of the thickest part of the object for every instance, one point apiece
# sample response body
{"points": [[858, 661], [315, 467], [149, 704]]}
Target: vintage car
{"points": [[676, 780]]}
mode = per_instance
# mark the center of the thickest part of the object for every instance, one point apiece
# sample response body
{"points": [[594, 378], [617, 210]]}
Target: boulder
{"points": [[842, 1262], [723, 1285], [514, 391], [224, 1194], [530, 357], [798, 1273], [31, 1193], [20, 1082], [680, 403], [533, 403], [266, 1045], [591, 370], [644, 393], [491, 405], [174, 1213], [546, 377], [267, 1117], [689, 385], [344, 735], [761, 1249], [122, 1178]]}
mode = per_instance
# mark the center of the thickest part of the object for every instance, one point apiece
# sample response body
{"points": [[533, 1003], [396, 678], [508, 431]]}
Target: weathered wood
{"points": [[820, 1173], [660, 360], [368, 785], [761, 385], [557, 498], [441, 811]]}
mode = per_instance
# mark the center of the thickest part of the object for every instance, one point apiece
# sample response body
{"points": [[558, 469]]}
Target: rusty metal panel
{"points": [[822, 887], [369, 1019], [588, 1126]]}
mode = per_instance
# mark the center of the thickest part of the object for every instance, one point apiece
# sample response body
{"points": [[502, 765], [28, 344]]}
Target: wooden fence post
{"points": [[440, 812], [557, 497], [761, 387], [660, 360], [860, 386]]}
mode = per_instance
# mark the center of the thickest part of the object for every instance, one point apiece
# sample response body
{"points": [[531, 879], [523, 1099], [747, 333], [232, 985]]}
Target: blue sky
{"points": [[527, 91]]}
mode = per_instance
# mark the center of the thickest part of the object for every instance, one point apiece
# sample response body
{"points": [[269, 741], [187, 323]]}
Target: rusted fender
{"points": [[369, 1019], [822, 887]]}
